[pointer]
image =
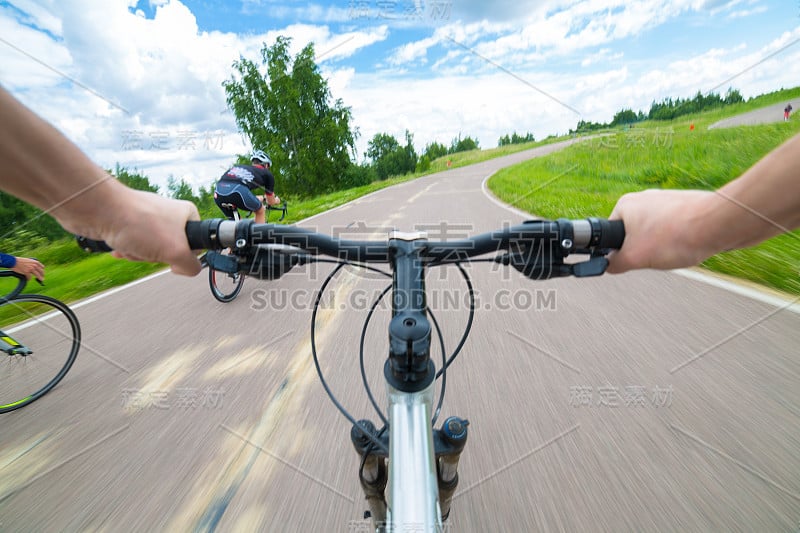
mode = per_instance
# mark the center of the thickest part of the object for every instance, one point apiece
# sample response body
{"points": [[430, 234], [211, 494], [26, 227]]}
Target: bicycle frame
{"points": [[414, 481], [410, 475], [411, 462]]}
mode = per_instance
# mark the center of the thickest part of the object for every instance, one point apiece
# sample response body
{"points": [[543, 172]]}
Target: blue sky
{"points": [[139, 82]]}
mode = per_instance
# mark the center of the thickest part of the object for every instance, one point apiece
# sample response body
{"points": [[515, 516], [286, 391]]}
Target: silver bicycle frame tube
{"points": [[413, 491]]}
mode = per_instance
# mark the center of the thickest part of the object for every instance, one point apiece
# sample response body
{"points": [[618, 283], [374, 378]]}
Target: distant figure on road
{"points": [[786, 112]]}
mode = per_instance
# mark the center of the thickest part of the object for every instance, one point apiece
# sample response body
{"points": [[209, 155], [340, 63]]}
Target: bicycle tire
{"points": [[51, 333], [225, 286]]}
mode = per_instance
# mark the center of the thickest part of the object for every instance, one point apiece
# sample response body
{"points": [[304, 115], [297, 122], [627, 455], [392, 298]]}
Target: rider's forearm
{"points": [[42, 167], [762, 203]]}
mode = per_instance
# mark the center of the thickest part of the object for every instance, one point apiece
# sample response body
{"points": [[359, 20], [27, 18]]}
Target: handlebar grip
{"points": [[194, 234], [202, 234], [613, 234], [91, 245]]}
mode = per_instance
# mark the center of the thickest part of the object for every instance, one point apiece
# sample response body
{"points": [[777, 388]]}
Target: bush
{"points": [[424, 164], [358, 175]]}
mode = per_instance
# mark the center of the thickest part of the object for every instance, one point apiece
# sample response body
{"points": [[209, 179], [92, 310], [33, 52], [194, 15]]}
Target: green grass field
{"points": [[588, 178], [585, 179]]}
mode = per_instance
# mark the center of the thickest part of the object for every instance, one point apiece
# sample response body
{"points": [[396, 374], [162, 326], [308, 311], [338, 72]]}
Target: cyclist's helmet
{"points": [[261, 156]]}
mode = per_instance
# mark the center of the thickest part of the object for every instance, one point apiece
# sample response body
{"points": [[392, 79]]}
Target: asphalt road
{"points": [[763, 115], [644, 402]]}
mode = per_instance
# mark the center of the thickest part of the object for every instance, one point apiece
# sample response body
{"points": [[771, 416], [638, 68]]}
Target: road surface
{"points": [[763, 115], [644, 402]]}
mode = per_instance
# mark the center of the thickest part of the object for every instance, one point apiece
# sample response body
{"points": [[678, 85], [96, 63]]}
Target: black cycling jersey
{"points": [[253, 176]]}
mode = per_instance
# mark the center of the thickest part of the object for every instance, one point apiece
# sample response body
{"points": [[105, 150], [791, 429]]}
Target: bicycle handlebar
{"points": [[21, 282], [571, 236], [532, 247], [535, 248]]}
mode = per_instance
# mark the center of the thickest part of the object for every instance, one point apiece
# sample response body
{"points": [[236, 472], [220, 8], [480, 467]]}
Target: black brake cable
{"points": [[336, 403], [442, 372], [361, 355], [470, 318], [446, 361], [331, 396], [377, 301], [364, 380]]}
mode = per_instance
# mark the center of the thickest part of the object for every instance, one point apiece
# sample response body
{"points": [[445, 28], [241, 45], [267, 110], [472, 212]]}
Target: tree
{"points": [[134, 180], [205, 202], [463, 145], [389, 158], [515, 138], [180, 190], [733, 96], [409, 154], [435, 150], [358, 175], [625, 116], [288, 112], [25, 226]]}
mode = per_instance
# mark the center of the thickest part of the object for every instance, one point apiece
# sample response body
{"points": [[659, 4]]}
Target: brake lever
{"points": [[543, 267], [595, 266], [222, 262]]}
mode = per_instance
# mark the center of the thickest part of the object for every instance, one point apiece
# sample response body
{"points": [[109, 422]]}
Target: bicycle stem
{"points": [[409, 367]]}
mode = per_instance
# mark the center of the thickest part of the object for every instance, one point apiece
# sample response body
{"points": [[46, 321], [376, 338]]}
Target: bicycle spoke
{"points": [[46, 338]]}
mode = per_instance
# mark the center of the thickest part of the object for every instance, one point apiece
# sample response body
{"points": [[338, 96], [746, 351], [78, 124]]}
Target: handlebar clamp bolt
{"points": [[241, 243], [567, 244]]}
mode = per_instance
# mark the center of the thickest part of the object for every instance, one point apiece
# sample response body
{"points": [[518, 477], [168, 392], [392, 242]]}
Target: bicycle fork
{"points": [[12, 347], [448, 443]]}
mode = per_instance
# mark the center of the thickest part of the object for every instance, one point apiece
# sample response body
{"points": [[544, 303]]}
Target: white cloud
{"points": [[35, 14], [167, 73], [492, 104], [329, 46], [410, 52], [753, 72], [604, 55], [159, 81], [583, 25]]}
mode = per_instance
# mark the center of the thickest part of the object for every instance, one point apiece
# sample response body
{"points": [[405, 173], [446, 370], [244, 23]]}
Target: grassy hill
{"points": [[588, 178]]}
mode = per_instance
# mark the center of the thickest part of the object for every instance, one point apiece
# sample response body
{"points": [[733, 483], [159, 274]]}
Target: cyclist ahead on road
{"points": [[236, 186]]}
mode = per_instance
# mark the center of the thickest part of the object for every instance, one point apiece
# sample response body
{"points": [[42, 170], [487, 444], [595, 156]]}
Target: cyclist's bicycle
{"points": [[226, 285], [408, 469], [39, 340]]}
